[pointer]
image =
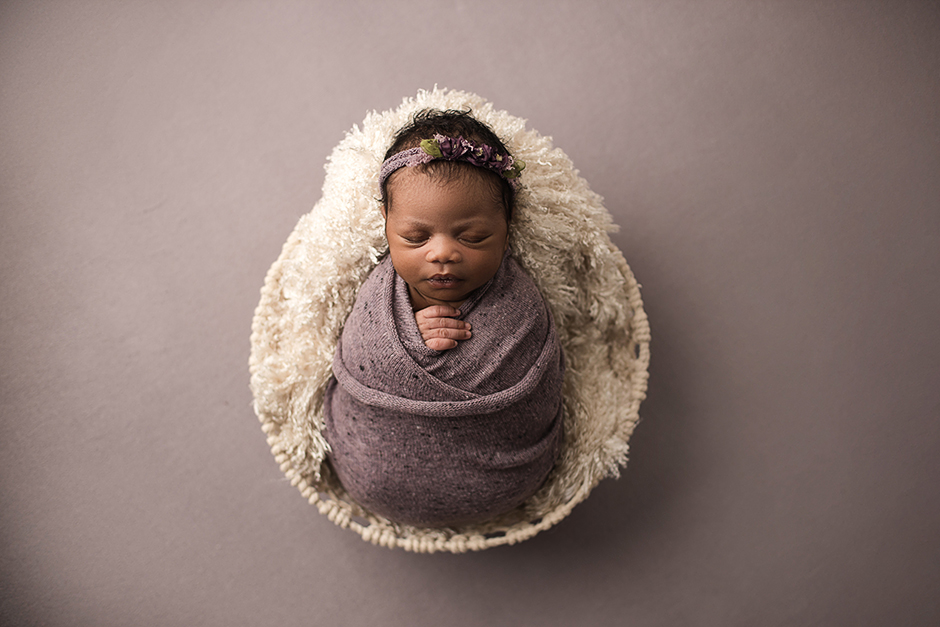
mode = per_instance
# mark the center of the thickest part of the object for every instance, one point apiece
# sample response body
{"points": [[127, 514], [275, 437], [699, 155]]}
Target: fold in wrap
{"points": [[443, 438]]}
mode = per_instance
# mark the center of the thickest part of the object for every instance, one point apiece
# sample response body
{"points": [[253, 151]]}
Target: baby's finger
{"points": [[443, 323], [444, 332], [440, 344], [438, 311]]}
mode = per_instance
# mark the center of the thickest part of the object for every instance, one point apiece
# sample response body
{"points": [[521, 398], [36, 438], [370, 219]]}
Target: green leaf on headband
{"points": [[431, 147], [518, 165]]}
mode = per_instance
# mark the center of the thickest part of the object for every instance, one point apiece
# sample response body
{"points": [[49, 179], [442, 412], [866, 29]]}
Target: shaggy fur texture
{"points": [[560, 235]]}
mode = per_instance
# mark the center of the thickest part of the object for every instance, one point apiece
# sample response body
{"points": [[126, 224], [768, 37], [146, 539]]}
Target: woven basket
{"points": [[560, 236]]}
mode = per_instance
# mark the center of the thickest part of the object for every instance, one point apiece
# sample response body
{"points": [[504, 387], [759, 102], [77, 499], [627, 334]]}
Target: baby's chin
{"points": [[421, 299]]}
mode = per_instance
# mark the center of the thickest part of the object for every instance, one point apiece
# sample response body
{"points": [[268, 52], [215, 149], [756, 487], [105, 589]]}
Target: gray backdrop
{"points": [[773, 166]]}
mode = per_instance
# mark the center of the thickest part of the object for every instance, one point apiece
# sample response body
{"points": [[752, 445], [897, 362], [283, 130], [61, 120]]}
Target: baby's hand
{"points": [[439, 328]]}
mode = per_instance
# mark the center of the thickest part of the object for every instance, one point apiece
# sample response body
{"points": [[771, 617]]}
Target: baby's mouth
{"points": [[444, 281]]}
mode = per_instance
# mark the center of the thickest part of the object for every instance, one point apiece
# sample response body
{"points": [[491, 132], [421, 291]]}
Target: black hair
{"points": [[452, 123]]}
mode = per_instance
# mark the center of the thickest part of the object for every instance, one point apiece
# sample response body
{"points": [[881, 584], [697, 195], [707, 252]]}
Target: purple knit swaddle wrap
{"points": [[442, 438]]}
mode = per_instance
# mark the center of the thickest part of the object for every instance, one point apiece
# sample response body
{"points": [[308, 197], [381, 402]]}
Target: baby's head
{"points": [[455, 125], [447, 197]]}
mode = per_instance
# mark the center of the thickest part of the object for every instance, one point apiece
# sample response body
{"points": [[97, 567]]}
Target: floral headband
{"points": [[455, 149]]}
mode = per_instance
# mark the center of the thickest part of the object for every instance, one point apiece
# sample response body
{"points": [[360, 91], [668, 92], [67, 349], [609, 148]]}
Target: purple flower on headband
{"points": [[482, 156], [453, 147]]}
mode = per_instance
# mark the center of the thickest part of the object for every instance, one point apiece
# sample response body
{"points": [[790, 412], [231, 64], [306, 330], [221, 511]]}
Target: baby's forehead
{"points": [[440, 174], [411, 186], [408, 220], [445, 174]]}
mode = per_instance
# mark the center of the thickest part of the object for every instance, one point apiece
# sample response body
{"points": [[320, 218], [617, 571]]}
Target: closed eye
{"points": [[415, 239]]}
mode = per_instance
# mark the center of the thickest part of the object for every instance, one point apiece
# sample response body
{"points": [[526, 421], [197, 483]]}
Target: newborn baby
{"points": [[445, 406]]}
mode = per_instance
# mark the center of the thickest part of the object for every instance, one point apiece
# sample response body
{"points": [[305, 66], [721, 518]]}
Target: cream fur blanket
{"points": [[560, 236]]}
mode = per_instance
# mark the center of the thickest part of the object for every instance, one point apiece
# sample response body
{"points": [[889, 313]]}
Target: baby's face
{"points": [[445, 238]]}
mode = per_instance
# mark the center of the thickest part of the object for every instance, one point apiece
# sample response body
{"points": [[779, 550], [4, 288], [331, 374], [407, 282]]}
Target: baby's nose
{"points": [[443, 250]]}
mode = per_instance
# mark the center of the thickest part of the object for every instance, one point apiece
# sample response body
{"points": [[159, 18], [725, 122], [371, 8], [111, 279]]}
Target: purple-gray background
{"points": [[773, 166]]}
